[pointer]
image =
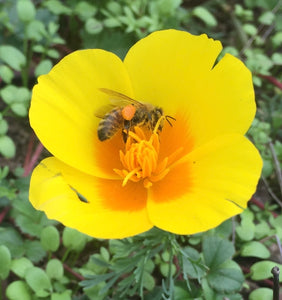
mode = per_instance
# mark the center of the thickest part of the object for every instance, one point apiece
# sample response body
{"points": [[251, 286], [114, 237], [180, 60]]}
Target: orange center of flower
{"points": [[141, 158]]}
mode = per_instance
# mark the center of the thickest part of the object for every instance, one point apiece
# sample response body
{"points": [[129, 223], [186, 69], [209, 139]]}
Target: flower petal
{"points": [[98, 207], [63, 108], [210, 185], [165, 65], [174, 70]]}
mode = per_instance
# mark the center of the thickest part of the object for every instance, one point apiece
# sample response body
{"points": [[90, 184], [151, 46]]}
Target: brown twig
{"points": [[4, 213], [272, 80], [29, 151], [261, 206], [33, 160], [72, 272], [271, 193], [275, 271]]}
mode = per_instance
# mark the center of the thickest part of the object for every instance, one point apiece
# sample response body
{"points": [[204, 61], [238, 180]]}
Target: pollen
{"points": [[140, 158], [128, 112]]}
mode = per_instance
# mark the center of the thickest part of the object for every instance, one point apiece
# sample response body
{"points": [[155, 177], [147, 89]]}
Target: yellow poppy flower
{"points": [[186, 178]]}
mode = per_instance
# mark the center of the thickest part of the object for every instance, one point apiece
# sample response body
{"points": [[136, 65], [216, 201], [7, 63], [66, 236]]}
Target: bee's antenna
{"points": [[168, 121]]}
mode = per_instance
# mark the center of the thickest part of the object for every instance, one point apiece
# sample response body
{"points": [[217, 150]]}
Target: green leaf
{"points": [[54, 269], [148, 281], [261, 294], [38, 281], [93, 26], [262, 230], [53, 53], [57, 7], [73, 239], [262, 270], [12, 57], [105, 253], [258, 63], [20, 265], [114, 7], [19, 109], [246, 230], [5, 262], [38, 48], [18, 290], [192, 264], [6, 74], [165, 268], [181, 292], [276, 222], [85, 10], [8, 93], [26, 217], [112, 22], [3, 127], [226, 280], [66, 295], [43, 67], [50, 238], [277, 39], [224, 230], [53, 28], [216, 251], [204, 15], [26, 10], [277, 59], [34, 250], [255, 249], [36, 31], [7, 146], [13, 240], [13, 95], [268, 5], [250, 29], [267, 18]]}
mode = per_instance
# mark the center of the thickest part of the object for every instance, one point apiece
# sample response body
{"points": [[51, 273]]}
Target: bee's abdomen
{"points": [[110, 124]]}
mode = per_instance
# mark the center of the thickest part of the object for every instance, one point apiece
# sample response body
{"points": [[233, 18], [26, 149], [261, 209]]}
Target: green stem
{"points": [[28, 55], [25, 50], [170, 282], [66, 255]]}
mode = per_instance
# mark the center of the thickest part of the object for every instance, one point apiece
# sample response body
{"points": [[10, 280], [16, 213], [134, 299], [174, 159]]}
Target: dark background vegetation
{"points": [[39, 259]]}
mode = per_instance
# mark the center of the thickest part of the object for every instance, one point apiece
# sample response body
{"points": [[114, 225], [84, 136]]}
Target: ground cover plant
{"points": [[41, 258]]}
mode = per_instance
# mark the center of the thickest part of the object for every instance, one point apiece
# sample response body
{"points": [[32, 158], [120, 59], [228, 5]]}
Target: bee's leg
{"points": [[126, 127]]}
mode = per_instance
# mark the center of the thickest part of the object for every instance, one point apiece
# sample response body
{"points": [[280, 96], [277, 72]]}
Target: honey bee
{"points": [[129, 114]]}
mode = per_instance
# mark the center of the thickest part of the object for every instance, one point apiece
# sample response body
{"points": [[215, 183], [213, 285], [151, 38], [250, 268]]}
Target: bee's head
{"points": [[158, 111]]}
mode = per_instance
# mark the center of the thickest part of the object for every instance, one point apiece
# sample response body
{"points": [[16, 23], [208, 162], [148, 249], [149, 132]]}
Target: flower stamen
{"points": [[140, 158]]}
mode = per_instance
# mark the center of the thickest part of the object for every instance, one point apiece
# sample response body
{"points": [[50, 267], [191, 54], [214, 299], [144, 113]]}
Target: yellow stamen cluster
{"points": [[140, 158]]}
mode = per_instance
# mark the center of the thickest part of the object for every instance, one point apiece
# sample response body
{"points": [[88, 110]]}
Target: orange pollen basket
{"points": [[141, 158]]}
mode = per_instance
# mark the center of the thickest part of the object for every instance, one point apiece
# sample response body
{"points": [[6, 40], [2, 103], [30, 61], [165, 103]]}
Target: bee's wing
{"points": [[103, 110], [119, 99]]}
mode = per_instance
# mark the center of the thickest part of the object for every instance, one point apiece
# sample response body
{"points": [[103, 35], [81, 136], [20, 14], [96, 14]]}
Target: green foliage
{"points": [[5, 262], [50, 238], [255, 249], [18, 290], [262, 270], [39, 259], [261, 294]]}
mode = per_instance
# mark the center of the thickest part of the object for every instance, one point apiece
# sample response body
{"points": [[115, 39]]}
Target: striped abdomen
{"points": [[110, 124]]}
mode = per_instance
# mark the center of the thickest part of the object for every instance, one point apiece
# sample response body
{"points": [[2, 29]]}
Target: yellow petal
{"points": [[226, 103], [165, 65], [64, 103], [174, 70], [111, 211], [210, 185]]}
